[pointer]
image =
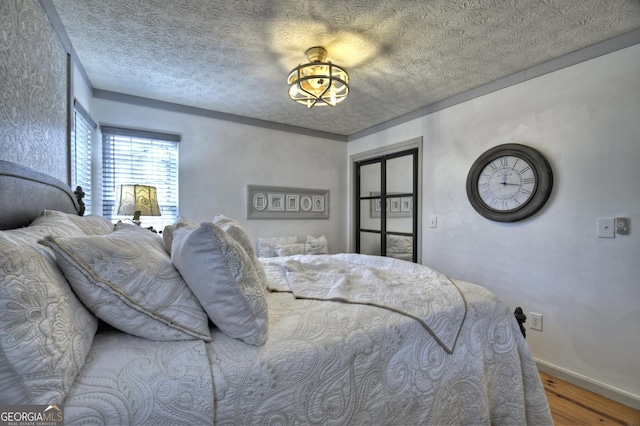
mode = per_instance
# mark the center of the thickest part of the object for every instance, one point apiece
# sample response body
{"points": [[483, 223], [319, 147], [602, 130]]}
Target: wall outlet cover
{"points": [[622, 225], [536, 321]]}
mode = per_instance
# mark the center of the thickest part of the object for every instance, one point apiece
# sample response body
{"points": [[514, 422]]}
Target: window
{"points": [[141, 158], [81, 135]]}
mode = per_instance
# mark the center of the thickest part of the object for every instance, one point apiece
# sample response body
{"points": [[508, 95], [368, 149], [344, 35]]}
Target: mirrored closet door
{"points": [[387, 205]]}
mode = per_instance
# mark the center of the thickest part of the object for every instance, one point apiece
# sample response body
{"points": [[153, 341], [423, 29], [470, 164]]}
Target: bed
{"points": [[122, 326]]}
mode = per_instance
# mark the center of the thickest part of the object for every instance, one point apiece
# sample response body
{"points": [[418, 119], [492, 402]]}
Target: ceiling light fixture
{"points": [[318, 82]]}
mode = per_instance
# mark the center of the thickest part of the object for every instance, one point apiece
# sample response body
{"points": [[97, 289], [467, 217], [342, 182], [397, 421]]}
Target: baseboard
{"points": [[591, 385]]}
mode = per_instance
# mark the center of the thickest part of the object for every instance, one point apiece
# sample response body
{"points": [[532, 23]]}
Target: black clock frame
{"points": [[541, 191]]}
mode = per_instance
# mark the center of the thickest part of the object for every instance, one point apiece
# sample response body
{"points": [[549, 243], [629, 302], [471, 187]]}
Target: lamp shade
{"points": [[138, 200]]}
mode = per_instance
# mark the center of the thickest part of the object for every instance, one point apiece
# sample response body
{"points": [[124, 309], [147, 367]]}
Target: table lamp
{"points": [[138, 200]]}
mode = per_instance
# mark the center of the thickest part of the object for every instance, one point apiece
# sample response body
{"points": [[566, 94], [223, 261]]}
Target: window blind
{"points": [[81, 134], [141, 158]]}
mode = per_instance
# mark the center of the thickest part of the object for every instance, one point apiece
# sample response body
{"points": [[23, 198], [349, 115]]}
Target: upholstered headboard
{"points": [[26, 193]]}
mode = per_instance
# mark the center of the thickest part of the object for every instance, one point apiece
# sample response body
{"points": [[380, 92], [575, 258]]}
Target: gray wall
{"points": [[586, 120], [33, 90]]}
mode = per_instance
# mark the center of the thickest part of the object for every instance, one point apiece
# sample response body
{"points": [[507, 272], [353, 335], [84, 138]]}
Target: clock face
{"points": [[509, 182], [506, 183]]}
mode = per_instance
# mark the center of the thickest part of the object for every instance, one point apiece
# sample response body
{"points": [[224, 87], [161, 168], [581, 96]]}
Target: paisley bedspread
{"points": [[129, 380], [326, 362], [336, 363], [413, 290]]}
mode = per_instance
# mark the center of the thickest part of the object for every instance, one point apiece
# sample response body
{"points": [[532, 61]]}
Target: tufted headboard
{"points": [[26, 193]]}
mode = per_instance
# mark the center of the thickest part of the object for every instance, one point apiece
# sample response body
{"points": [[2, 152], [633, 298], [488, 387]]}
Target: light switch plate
{"points": [[606, 227]]}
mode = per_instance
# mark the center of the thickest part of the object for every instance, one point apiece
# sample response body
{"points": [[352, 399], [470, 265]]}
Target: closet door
{"points": [[370, 217], [387, 205]]}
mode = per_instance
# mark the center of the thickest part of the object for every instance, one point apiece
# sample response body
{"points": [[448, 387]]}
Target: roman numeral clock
{"points": [[509, 182]]}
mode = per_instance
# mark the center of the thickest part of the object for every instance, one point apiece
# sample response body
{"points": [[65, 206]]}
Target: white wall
{"points": [[218, 159], [586, 120], [82, 89]]}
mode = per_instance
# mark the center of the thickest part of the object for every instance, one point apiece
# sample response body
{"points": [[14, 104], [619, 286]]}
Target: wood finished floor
{"points": [[572, 405]]}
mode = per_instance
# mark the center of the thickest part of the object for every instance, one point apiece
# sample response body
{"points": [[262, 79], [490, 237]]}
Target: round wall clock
{"points": [[509, 182]]}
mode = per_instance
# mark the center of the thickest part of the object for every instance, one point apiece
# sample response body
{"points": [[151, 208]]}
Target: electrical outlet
{"points": [[622, 225], [536, 321]]}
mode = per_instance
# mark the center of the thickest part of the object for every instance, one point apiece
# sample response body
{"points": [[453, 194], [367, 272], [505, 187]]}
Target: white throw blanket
{"points": [[407, 288]]}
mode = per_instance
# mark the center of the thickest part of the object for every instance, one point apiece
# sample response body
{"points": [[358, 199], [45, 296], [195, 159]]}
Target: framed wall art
{"points": [[279, 202], [396, 206], [276, 202], [293, 203]]}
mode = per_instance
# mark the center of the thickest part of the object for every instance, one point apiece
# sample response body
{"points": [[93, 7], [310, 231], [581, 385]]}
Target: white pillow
{"points": [[289, 249], [316, 245], [167, 233], [153, 238], [58, 223], [92, 224], [167, 238], [127, 279], [241, 236], [222, 276], [45, 332], [267, 245]]}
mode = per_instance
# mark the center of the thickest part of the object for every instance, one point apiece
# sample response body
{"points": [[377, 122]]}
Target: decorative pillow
{"points": [[316, 245], [153, 238], [90, 225], [167, 234], [127, 279], [241, 236], [93, 224], [222, 276], [267, 245], [45, 332], [58, 223], [167, 238], [289, 249]]}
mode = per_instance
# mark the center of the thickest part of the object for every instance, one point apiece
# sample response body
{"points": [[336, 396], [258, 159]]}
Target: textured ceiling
{"points": [[233, 56]]}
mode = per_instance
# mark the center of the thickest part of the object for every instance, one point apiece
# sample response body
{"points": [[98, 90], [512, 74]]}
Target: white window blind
{"points": [[140, 158], [81, 134]]}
